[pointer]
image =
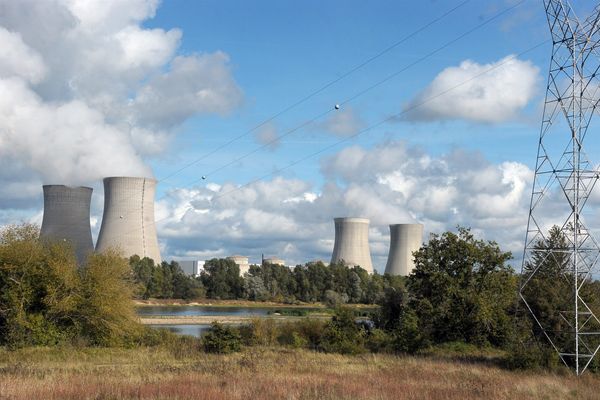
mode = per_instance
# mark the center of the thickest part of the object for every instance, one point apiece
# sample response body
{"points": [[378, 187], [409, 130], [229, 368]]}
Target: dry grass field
{"points": [[263, 373]]}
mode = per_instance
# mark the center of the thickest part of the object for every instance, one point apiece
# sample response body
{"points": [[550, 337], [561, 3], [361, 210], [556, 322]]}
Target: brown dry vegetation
{"points": [[263, 373]]}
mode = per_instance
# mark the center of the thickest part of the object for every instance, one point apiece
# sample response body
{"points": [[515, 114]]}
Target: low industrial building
{"points": [[241, 262], [191, 267]]}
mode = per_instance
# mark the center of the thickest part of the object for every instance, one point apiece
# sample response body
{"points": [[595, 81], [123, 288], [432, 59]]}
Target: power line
{"points": [[360, 93], [371, 127], [317, 91], [381, 122]]}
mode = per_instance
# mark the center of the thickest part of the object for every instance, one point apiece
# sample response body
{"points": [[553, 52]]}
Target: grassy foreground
{"points": [[264, 373]]}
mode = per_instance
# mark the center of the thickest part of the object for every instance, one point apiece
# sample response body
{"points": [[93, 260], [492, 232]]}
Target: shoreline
{"points": [[223, 319], [239, 304]]}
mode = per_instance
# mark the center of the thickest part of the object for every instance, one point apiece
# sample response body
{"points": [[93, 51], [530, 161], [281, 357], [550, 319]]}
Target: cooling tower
{"points": [[67, 217], [404, 240], [128, 220], [352, 243]]}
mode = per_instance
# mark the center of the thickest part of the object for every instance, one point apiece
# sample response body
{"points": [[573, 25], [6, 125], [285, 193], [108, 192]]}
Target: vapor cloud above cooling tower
{"points": [[83, 82]]}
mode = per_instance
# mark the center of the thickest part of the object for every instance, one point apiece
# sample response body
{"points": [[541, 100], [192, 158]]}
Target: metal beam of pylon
{"points": [[564, 180]]}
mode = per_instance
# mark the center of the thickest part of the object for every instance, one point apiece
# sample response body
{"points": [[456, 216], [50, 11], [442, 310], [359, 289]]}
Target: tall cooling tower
{"points": [[67, 217], [404, 240], [128, 220], [352, 243]]}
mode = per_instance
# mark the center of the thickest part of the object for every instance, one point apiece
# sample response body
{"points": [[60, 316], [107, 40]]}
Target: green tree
{"points": [[222, 280], [462, 290], [548, 289]]}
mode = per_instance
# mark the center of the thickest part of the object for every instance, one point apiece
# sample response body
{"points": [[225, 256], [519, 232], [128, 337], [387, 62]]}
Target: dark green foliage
{"points": [[462, 290], [277, 281], [549, 293], [343, 335], [335, 284], [222, 279], [532, 356], [164, 281], [397, 318], [221, 339]]}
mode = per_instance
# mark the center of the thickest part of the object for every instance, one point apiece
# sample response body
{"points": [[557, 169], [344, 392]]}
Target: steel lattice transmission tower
{"points": [[564, 180]]}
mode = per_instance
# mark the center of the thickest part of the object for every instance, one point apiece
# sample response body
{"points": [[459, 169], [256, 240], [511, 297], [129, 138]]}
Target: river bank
{"points": [[239, 303], [223, 319]]}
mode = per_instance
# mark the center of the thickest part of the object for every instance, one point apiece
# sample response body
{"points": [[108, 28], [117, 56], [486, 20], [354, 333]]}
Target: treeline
{"points": [[462, 293], [313, 282]]}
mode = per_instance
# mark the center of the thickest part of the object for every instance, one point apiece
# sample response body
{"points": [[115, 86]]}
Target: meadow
{"points": [[184, 372]]}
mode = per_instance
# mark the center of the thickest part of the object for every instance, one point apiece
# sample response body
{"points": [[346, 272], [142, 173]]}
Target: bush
{"points": [[533, 357], [221, 339], [342, 335], [378, 341], [407, 336], [46, 299], [333, 299], [290, 337], [260, 331]]}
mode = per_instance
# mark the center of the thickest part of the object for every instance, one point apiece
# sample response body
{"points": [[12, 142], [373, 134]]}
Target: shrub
{"points": [[407, 336], [46, 299], [292, 339], [221, 339], [378, 341], [533, 356], [262, 332], [342, 335], [333, 299]]}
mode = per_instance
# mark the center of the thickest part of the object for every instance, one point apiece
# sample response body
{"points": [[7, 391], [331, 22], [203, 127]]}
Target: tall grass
{"points": [[266, 373]]}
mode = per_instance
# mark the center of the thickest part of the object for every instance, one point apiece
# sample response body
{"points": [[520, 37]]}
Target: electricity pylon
{"points": [[564, 180]]}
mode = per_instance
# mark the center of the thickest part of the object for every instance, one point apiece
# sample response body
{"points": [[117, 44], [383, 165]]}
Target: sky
{"points": [[440, 104]]}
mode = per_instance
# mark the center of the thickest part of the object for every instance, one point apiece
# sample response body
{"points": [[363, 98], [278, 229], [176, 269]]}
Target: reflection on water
{"points": [[147, 311], [191, 330]]}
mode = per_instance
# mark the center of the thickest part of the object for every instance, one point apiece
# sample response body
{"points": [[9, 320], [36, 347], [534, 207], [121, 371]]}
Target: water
{"points": [[179, 311], [196, 330]]}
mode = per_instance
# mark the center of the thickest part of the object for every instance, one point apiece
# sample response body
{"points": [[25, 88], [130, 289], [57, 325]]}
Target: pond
{"points": [[190, 330], [196, 330], [180, 311]]}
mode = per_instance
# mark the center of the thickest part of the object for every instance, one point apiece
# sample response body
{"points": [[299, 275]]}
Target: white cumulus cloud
{"points": [[89, 91], [488, 93], [391, 183]]}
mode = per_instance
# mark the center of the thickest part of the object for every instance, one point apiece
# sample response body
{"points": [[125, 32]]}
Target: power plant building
{"points": [[67, 218], [128, 221], [191, 267], [352, 243], [274, 261], [404, 240], [241, 262]]}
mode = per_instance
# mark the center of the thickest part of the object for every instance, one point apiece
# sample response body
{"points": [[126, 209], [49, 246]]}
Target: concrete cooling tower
{"points": [[352, 243], [404, 240], [67, 217], [128, 220]]}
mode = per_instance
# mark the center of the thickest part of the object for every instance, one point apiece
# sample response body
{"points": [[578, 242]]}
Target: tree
{"points": [[222, 280], [462, 290], [548, 290], [46, 299]]}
